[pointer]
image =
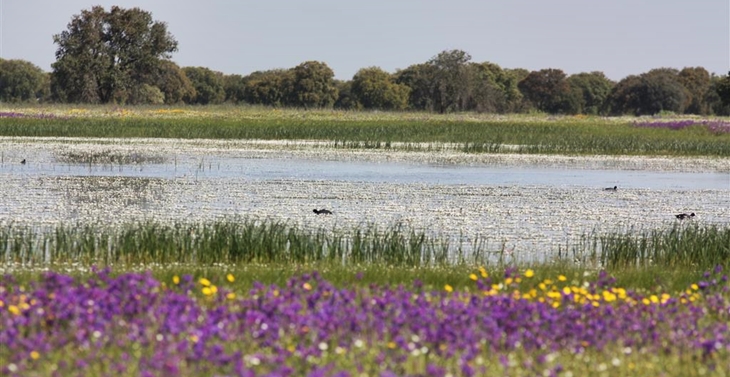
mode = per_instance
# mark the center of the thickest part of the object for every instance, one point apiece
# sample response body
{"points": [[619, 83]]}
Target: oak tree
{"points": [[105, 56]]}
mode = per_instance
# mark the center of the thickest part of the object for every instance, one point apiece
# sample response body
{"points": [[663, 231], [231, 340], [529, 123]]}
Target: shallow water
{"points": [[262, 169], [527, 208]]}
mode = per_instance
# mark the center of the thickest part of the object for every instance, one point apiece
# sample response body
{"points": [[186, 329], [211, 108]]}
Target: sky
{"points": [[617, 37]]}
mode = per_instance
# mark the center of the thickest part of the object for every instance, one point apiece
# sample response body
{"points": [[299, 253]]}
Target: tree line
{"points": [[123, 56]]}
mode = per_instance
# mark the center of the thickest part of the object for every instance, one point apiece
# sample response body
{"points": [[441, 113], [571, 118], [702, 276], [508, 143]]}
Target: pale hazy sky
{"points": [[618, 37]]}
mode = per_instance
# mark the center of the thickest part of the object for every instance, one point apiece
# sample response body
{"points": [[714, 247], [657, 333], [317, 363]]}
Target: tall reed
{"points": [[224, 241], [681, 245]]}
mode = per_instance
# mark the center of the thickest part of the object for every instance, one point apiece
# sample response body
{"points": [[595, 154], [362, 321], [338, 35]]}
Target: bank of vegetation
{"points": [[123, 56]]}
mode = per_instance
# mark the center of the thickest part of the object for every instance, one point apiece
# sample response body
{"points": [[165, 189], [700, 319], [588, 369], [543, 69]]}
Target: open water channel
{"points": [[528, 205]]}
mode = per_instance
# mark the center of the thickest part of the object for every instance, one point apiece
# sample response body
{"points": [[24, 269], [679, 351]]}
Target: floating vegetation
{"points": [[108, 157]]}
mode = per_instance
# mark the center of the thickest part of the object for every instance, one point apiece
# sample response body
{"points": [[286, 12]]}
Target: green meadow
{"points": [[472, 133]]}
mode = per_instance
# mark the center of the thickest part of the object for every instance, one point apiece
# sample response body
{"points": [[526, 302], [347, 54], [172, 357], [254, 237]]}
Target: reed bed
{"points": [[249, 241], [228, 242], [472, 133], [680, 245]]}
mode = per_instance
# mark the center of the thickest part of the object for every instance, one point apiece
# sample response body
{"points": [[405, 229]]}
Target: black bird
{"points": [[683, 216], [614, 188], [23, 162], [322, 211]]}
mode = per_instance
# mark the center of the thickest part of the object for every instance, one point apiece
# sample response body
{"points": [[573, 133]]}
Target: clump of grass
{"points": [[688, 245]]}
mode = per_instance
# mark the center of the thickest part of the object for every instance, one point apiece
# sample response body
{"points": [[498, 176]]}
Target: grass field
{"points": [[474, 133]]}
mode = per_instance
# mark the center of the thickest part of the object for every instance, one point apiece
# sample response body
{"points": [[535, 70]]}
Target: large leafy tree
{"points": [[549, 91], [235, 88], [592, 89], [106, 56], [720, 90], [173, 83], [649, 93], [208, 86], [697, 81], [625, 96], [662, 91], [374, 88], [451, 85], [22, 81], [493, 89], [313, 86], [419, 78], [346, 100], [271, 88]]}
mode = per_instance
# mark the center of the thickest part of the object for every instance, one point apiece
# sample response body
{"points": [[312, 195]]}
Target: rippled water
{"points": [[525, 207]]}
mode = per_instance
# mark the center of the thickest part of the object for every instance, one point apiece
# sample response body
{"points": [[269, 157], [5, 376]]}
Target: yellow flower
{"points": [[34, 355], [176, 279], [473, 277], [448, 288], [14, 309], [566, 290], [230, 278], [483, 272], [529, 273], [654, 299], [391, 345], [562, 278], [231, 296], [508, 281], [207, 291], [307, 286], [204, 282], [609, 296], [695, 287]]}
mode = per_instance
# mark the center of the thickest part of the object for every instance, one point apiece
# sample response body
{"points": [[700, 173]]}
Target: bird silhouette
{"points": [[23, 162], [614, 188], [322, 211], [683, 216]]}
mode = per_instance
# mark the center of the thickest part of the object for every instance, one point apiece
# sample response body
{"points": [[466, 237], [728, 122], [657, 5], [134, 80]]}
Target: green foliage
{"points": [[663, 92], [721, 87], [346, 100], [698, 83], [493, 89], [105, 56], [549, 91], [235, 88], [22, 81], [376, 89], [313, 86], [625, 97], [451, 81], [593, 89], [418, 78], [269, 88], [208, 86], [653, 92], [173, 83]]}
